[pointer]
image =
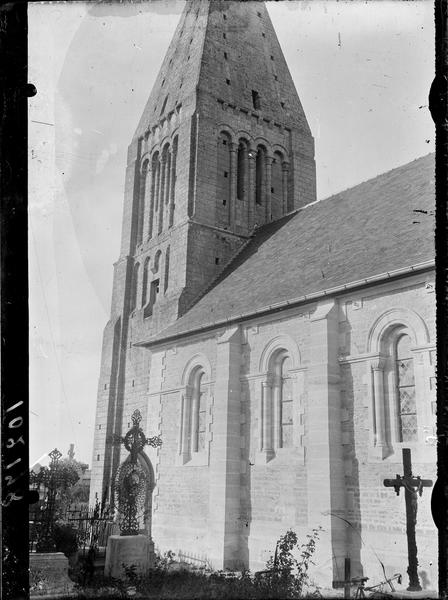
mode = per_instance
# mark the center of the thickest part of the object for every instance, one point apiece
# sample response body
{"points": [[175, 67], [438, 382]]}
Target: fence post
{"points": [[347, 575]]}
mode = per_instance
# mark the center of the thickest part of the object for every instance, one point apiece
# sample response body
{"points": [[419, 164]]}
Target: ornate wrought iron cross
{"points": [[50, 478], [412, 486], [131, 479], [135, 440]]}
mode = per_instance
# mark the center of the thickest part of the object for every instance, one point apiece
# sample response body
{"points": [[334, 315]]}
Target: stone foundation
{"points": [[128, 550], [49, 575]]}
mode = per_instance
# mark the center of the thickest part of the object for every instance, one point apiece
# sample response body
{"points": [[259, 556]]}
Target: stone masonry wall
{"points": [[181, 496], [376, 513], [273, 498]]}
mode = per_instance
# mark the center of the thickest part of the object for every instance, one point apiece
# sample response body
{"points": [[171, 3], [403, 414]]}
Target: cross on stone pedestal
{"points": [[412, 486], [132, 489]]}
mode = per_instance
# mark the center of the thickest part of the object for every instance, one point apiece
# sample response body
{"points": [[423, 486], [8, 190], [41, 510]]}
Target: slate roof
{"points": [[370, 229]]}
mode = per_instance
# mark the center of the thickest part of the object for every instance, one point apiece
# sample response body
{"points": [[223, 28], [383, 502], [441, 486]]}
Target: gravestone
{"points": [[49, 575], [128, 550]]}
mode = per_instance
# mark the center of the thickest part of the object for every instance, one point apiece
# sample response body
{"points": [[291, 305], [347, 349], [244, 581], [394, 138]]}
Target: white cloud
{"points": [[106, 153]]}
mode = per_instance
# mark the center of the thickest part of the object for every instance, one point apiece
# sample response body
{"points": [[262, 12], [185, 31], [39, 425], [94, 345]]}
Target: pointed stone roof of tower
{"points": [[227, 49]]}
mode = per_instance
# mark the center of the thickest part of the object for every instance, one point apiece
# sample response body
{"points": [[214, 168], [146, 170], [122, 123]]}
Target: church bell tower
{"points": [[222, 147]]}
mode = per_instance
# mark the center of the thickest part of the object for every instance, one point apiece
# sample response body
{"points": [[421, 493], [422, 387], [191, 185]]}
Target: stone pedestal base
{"points": [[49, 575], [129, 550]]}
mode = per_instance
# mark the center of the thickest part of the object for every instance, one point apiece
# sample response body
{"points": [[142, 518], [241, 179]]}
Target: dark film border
{"points": [[14, 92], [438, 106]]}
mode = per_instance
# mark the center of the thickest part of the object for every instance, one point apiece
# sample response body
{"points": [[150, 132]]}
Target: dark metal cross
{"points": [[50, 478], [412, 486], [130, 477], [135, 440]]}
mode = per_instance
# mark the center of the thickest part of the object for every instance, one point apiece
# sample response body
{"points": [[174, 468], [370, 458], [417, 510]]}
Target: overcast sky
{"points": [[362, 71]]}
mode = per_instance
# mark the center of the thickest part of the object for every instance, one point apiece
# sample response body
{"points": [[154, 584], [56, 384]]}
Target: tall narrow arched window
{"points": [[405, 390], [396, 415], [277, 186], [193, 434], [260, 168], [134, 287], [277, 405], [141, 201], [168, 176], [241, 171], [154, 191], [145, 281], [223, 180], [282, 400], [164, 186], [156, 265], [154, 286], [173, 182], [285, 409], [167, 269], [164, 104], [198, 412]]}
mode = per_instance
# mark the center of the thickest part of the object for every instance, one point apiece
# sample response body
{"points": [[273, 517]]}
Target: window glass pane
{"points": [[241, 166], [404, 347], [259, 175], [409, 427], [407, 401], [405, 371], [201, 416]]}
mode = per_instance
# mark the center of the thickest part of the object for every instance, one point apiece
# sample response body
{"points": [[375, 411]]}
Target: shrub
{"points": [[287, 576], [65, 539]]}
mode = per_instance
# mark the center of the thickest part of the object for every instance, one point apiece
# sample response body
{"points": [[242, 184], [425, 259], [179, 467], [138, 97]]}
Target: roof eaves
{"points": [[396, 273]]}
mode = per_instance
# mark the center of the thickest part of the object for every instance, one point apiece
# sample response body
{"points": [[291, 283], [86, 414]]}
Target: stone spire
{"points": [[217, 41]]}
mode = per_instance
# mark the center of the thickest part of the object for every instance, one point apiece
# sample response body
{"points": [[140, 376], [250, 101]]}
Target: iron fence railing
{"points": [[92, 525]]}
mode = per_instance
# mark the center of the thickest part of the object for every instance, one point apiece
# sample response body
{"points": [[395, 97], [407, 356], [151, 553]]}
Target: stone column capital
{"points": [[268, 381], [285, 165], [378, 363]]}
